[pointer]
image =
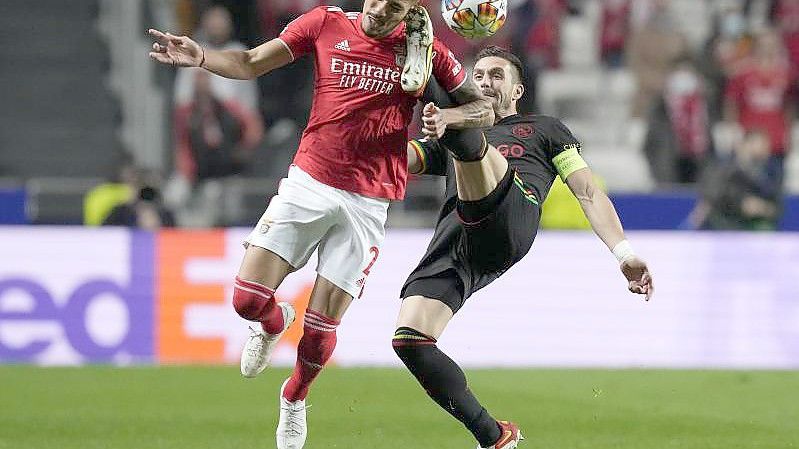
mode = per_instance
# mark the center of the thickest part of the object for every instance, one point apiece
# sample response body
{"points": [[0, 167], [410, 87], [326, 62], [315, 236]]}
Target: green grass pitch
{"points": [[213, 407]]}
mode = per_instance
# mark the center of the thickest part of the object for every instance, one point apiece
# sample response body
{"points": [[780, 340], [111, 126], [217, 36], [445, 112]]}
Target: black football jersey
{"points": [[532, 145]]}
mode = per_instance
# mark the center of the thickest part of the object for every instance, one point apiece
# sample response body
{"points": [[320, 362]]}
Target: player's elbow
{"points": [[586, 194], [586, 203], [249, 69], [249, 72]]}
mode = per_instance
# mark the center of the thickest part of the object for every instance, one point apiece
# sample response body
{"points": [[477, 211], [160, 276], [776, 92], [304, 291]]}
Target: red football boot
{"points": [[510, 437]]}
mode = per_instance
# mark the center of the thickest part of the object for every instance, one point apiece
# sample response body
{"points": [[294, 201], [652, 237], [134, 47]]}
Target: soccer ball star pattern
{"points": [[475, 19]]}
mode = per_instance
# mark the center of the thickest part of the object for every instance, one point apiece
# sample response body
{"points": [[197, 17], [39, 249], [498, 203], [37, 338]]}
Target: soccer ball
{"points": [[474, 19]]}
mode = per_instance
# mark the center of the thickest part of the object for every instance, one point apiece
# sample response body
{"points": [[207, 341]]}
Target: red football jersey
{"points": [[762, 96], [358, 129]]}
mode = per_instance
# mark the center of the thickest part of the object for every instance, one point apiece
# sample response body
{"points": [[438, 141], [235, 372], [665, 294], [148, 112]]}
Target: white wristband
{"points": [[623, 251]]}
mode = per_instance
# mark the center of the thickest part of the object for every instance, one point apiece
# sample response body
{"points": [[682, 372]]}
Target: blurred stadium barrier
{"points": [[13, 202], [74, 296]]}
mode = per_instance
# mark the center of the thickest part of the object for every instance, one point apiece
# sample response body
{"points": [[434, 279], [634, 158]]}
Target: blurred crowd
{"points": [[718, 114]]}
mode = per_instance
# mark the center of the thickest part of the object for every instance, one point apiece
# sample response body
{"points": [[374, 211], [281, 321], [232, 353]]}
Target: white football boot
{"points": [[259, 347], [419, 51], [291, 427]]}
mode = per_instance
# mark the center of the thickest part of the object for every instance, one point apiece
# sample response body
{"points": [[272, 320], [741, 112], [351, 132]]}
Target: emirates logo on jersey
{"points": [[365, 76]]}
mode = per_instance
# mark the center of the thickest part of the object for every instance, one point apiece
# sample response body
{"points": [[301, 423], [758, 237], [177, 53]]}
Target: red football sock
{"points": [[315, 348], [256, 302]]}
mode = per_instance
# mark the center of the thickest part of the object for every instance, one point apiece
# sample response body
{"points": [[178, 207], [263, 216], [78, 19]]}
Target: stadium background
{"points": [[131, 329]]}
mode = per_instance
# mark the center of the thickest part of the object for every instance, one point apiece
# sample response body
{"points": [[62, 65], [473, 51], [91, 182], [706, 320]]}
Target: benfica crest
{"points": [[265, 224], [399, 55]]}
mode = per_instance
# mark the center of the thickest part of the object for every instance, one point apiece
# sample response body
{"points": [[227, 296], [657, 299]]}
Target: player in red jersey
{"points": [[759, 96], [370, 68]]}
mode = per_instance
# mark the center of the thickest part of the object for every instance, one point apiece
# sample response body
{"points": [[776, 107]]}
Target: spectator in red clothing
{"points": [[614, 30], [759, 96], [543, 39], [786, 17], [728, 45], [678, 139], [215, 138]]}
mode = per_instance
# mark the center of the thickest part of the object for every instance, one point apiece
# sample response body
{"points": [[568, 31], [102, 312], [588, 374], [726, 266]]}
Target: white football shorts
{"points": [[348, 229]]}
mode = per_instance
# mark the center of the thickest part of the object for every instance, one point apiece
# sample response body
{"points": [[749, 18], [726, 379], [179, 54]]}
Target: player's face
{"points": [[380, 17], [496, 79]]}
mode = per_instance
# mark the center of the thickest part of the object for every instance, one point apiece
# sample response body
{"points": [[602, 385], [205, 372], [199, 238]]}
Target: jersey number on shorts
{"points": [[375, 252]]}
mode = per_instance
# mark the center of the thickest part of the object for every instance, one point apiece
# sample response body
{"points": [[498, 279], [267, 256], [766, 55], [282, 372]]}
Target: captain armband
{"points": [[569, 161]]}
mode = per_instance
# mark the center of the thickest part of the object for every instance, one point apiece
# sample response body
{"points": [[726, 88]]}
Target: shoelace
{"points": [[295, 422], [255, 334]]}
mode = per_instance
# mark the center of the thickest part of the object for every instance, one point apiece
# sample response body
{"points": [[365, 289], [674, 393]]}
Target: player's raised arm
{"points": [[606, 224], [181, 51], [475, 111], [450, 84]]}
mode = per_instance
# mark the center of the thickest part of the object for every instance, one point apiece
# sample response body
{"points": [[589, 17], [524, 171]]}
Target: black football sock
{"points": [[445, 383], [465, 145]]}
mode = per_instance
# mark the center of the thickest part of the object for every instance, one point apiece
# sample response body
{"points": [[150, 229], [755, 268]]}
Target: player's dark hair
{"points": [[499, 52]]}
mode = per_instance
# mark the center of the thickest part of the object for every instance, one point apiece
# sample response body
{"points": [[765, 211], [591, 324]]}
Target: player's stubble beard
{"points": [[373, 26], [501, 102]]}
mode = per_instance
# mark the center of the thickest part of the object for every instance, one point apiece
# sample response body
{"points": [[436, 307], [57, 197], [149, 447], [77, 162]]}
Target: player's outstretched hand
{"points": [[178, 51], [638, 277], [433, 125]]}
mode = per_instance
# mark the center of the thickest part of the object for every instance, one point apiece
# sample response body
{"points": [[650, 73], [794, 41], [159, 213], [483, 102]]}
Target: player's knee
{"points": [[466, 145], [407, 343], [251, 300], [245, 304]]}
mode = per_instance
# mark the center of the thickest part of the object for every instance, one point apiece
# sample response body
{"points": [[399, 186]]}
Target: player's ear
{"points": [[518, 91]]}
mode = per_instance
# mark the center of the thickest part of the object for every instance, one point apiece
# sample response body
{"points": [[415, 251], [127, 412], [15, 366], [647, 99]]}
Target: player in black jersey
{"points": [[497, 180]]}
